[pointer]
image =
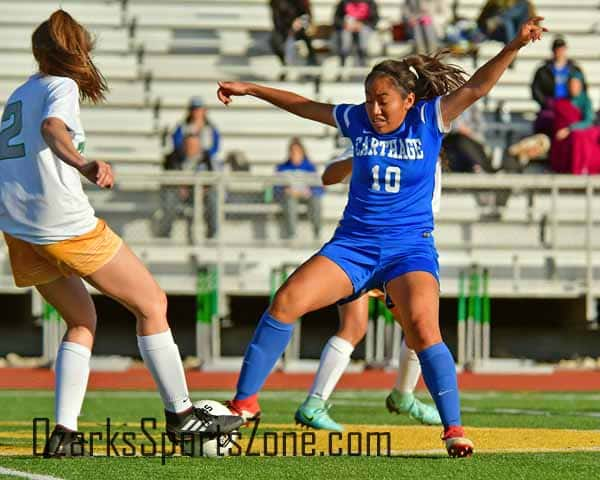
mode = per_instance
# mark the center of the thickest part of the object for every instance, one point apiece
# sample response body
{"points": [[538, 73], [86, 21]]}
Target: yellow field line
{"points": [[401, 440]]}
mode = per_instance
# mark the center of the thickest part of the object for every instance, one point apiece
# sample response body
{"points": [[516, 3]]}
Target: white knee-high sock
{"points": [[409, 370], [72, 371], [334, 360], [161, 356]]}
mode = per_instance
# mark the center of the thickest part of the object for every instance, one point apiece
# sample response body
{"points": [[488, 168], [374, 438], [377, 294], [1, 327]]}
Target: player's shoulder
{"points": [[422, 108], [63, 84], [350, 116]]}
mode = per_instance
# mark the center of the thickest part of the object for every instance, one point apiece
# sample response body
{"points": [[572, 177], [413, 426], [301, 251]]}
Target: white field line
{"points": [[29, 476]]}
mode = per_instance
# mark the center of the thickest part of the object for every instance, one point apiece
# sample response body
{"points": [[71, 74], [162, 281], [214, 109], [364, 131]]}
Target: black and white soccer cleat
{"points": [[196, 422], [64, 443]]}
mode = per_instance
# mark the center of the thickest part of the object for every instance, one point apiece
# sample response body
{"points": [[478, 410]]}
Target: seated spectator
{"points": [[291, 195], [575, 144], [500, 19], [195, 147], [354, 21], [236, 161], [462, 36], [425, 21], [550, 83], [291, 20], [464, 145]]}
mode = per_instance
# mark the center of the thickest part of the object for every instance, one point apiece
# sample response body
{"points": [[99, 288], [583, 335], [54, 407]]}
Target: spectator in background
{"points": [[425, 20], [291, 20], [550, 84], [291, 195], [354, 21], [464, 145], [500, 19], [575, 142], [196, 141], [195, 146]]}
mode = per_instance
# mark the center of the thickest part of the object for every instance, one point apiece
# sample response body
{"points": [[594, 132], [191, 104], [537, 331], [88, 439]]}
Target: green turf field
{"points": [[516, 436]]}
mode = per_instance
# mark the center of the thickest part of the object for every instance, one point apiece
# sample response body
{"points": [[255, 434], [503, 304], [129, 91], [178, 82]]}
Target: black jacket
{"points": [[338, 19], [543, 84], [286, 11]]}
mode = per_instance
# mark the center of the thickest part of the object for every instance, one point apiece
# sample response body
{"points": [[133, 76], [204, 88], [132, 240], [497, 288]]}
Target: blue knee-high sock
{"points": [[439, 374], [270, 339]]}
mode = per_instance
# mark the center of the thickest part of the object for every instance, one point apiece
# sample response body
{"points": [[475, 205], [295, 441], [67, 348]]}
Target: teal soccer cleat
{"points": [[314, 413], [398, 402]]}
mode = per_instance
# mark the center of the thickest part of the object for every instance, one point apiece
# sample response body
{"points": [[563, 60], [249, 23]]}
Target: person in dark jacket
{"points": [[551, 79], [291, 20], [550, 83], [354, 21], [196, 143]]}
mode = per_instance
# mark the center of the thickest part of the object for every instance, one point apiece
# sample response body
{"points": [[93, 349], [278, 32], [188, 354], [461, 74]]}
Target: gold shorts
{"points": [[34, 264]]}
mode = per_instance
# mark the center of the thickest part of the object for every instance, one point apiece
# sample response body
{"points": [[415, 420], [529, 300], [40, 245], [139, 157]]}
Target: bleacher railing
{"points": [[217, 211]]}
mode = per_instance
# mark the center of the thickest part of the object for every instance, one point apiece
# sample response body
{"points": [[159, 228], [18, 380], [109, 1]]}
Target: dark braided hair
{"points": [[435, 77]]}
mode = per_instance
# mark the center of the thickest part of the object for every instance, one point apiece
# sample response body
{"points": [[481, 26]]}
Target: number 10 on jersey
{"points": [[391, 179]]}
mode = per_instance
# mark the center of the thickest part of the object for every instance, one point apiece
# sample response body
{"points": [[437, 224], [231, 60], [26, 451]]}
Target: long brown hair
{"points": [[425, 75], [62, 47]]}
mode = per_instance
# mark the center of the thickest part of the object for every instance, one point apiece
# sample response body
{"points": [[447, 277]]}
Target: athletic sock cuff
{"points": [[156, 341], [77, 349], [271, 321], [341, 345], [434, 350]]}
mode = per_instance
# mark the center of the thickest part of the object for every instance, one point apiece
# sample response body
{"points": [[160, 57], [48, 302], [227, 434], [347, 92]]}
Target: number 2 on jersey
{"points": [[391, 179], [7, 151]]}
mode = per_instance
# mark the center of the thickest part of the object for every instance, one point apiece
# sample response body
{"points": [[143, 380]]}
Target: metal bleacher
{"points": [[156, 55]]}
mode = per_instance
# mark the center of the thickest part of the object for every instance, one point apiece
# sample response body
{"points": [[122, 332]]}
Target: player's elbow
{"points": [[327, 179], [49, 127]]}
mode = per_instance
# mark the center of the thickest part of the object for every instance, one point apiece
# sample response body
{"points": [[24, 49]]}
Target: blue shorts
{"points": [[371, 264]]}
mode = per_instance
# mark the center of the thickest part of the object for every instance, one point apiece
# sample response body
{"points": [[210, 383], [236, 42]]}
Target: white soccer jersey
{"points": [[41, 197], [437, 189]]}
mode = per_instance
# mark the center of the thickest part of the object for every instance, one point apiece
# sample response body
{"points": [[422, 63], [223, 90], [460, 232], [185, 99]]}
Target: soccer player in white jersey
{"points": [[55, 240], [335, 357]]}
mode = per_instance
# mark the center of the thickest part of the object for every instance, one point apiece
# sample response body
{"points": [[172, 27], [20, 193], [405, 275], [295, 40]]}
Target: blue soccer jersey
{"points": [[393, 174]]}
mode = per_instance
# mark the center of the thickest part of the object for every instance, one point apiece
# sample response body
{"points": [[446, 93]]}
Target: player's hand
{"points": [[562, 134], [99, 173], [230, 89], [530, 31]]}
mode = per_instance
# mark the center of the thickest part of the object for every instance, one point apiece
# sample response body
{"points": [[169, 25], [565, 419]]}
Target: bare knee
{"points": [[423, 331], [353, 331], [287, 305], [81, 330], [152, 314]]}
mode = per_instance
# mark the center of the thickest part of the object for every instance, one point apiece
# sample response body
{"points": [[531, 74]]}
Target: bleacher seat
{"points": [[187, 45], [91, 13], [265, 122], [108, 39], [116, 66], [177, 93], [118, 121]]}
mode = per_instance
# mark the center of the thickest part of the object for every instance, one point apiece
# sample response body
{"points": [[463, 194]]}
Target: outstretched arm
{"points": [[293, 103], [336, 172], [482, 81]]}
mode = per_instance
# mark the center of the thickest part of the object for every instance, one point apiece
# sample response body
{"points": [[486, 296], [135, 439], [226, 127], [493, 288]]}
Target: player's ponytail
{"points": [[425, 75], [62, 47]]}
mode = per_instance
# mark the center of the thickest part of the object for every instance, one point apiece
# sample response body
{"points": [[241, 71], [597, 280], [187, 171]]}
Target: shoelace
{"points": [[452, 432], [323, 410], [204, 417]]}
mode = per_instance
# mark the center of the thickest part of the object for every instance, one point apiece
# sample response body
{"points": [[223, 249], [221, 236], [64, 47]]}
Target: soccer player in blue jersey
{"points": [[385, 235], [354, 317]]}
